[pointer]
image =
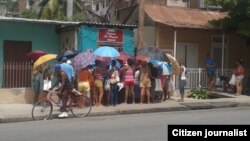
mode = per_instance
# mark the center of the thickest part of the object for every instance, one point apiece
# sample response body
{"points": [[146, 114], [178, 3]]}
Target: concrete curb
{"points": [[123, 111]]}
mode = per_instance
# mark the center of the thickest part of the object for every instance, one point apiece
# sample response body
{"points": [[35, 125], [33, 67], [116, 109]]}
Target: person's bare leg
{"points": [[142, 94], [240, 88], [100, 97], [132, 93], [126, 94], [148, 95], [237, 88]]}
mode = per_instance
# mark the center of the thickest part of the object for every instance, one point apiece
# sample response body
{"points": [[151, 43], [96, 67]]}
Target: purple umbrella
{"points": [[83, 59]]}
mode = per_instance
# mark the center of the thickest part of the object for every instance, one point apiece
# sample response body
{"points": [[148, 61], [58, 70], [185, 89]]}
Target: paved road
{"points": [[137, 127]]}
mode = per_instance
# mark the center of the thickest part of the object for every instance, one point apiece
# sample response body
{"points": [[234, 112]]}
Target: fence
{"points": [[16, 74], [197, 77]]}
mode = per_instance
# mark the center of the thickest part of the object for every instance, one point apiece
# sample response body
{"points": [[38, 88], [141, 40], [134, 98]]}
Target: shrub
{"points": [[198, 93]]}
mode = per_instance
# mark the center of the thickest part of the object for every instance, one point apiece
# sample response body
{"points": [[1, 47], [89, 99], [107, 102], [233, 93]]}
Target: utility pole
{"points": [[69, 9], [140, 24]]}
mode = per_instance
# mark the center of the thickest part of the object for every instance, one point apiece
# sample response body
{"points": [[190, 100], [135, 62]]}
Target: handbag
{"points": [[107, 85], [232, 80]]}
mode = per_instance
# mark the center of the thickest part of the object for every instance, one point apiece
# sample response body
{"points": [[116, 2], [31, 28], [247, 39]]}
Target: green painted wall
{"points": [[88, 37], [43, 37]]}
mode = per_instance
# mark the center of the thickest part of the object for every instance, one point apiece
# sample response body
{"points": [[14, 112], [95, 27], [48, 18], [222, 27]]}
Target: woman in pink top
{"points": [[129, 81]]}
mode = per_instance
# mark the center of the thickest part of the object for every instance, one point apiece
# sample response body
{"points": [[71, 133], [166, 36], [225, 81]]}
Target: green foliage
{"points": [[238, 18], [198, 93], [12, 5], [78, 17], [30, 14]]}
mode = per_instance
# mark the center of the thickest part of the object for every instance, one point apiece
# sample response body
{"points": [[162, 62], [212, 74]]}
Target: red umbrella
{"points": [[123, 56], [142, 58], [34, 55]]}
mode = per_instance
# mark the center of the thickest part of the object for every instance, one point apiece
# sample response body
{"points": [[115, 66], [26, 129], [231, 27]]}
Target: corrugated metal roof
{"points": [[182, 17], [52, 22], [24, 20]]}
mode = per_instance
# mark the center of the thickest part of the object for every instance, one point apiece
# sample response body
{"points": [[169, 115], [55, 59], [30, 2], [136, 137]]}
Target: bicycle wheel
{"points": [[81, 106], [42, 110]]}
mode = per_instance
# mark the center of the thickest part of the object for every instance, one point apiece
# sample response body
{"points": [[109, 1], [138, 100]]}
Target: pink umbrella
{"points": [[123, 56], [83, 59]]}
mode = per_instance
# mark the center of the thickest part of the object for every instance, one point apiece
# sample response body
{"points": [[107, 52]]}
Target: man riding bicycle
{"points": [[64, 77]]}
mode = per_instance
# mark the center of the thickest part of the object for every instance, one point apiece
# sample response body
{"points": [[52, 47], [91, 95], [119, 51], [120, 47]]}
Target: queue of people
{"points": [[133, 82]]}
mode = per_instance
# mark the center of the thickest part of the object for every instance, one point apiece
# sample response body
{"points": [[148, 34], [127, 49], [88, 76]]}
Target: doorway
{"points": [[16, 67]]}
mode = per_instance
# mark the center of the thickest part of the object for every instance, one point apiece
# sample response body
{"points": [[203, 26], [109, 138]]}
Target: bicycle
{"points": [[79, 105]]}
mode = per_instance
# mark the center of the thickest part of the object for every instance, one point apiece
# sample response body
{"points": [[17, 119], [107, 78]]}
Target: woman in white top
{"points": [[182, 81]]}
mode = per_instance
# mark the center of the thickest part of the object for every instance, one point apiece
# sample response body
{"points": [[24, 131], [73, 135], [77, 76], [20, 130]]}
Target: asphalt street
{"points": [[133, 127]]}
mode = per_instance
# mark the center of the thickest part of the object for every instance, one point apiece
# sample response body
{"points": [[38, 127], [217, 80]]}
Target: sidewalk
{"points": [[22, 112]]}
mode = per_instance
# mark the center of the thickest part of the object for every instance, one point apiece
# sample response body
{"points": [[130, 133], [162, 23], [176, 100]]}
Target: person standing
{"points": [[98, 74], [36, 83], [210, 65], [182, 81], [113, 79], [145, 83], [129, 82], [239, 75], [46, 81], [84, 77]]}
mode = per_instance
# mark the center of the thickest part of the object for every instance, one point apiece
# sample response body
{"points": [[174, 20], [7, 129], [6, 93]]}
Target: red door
{"points": [[17, 68]]}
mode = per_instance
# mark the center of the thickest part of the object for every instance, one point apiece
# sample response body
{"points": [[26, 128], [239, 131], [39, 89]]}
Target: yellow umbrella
{"points": [[174, 64], [43, 59]]}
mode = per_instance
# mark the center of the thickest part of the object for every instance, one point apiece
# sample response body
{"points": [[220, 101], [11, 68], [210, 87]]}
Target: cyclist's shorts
{"points": [[83, 86]]}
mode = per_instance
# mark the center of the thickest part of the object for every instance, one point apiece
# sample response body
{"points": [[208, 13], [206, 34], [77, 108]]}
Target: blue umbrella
{"points": [[106, 51], [164, 66], [117, 64]]}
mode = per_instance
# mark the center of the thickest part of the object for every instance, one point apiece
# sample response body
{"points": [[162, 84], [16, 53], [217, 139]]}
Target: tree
{"points": [[11, 5], [238, 18], [56, 10]]}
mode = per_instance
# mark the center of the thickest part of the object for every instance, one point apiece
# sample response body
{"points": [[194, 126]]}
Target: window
{"points": [[103, 3], [218, 39], [97, 7], [217, 50]]}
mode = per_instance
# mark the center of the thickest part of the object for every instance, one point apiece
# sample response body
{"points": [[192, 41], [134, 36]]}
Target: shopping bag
{"points": [[46, 85], [232, 80], [158, 86]]}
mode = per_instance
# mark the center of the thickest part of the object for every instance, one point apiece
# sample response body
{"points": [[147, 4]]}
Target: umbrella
{"points": [[142, 58], [164, 66], [106, 51], [174, 64], [103, 59], [43, 59], [34, 55], [117, 64], [124, 56], [153, 53], [83, 59], [69, 54]]}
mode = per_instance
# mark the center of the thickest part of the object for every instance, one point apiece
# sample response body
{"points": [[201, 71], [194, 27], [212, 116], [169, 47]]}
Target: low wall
{"points": [[16, 95], [25, 95]]}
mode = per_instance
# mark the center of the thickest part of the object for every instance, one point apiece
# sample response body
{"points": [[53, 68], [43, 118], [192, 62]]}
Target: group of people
{"points": [[239, 73], [108, 84]]}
